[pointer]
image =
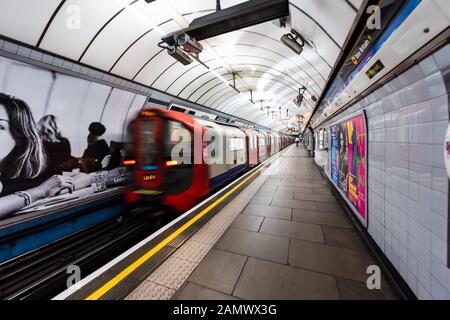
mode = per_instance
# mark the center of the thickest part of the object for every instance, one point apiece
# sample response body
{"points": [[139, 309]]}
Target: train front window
{"points": [[178, 144], [147, 146]]}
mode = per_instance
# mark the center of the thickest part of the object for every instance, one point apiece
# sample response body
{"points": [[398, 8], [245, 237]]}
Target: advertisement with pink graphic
{"points": [[348, 161]]}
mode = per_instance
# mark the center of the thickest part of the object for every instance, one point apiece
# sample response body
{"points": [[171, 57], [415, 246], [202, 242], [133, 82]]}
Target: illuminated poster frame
{"points": [[335, 173]]}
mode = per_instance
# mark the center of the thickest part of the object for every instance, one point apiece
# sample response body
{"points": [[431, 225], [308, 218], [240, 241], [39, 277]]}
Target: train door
{"points": [[236, 150], [178, 165], [262, 149], [269, 144], [252, 147]]}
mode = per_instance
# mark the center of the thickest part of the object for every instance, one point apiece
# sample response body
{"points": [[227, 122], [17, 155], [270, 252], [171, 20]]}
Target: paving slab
{"points": [[258, 245], [266, 280]]}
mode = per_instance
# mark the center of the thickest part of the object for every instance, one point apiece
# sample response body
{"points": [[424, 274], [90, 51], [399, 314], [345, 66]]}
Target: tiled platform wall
{"points": [[408, 184]]}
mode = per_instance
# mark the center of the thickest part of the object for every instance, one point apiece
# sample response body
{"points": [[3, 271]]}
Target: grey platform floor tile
{"points": [[318, 217], [269, 211], [219, 270], [329, 207], [272, 281], [296, 230], [286, 183], [262, 200], [283, 195], [315, 197], [354, 290], [247, 222], [265, 193], [195, 292], [317, 191], [268, 189], [257, 245], [310, 185], [331, 260], [297, 204], [345, 238]]}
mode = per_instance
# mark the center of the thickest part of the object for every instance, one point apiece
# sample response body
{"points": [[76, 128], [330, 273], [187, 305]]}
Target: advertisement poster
{"points": [[334, 176], [348, 161], [62, 138]]}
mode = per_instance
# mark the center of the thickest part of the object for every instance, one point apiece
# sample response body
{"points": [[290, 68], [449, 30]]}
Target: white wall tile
{"points": [[435, 84], [439, 202], [428, 66], [439, 225], [442, 57], [440, 180], [423, 294], [424, 277], [439, 107], [440, 271], [438, 156], [439, 248], [439, 132], [438, 292]]}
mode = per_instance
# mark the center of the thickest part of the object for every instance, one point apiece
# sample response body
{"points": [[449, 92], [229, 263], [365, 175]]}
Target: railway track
{"points": [[43, 273]]}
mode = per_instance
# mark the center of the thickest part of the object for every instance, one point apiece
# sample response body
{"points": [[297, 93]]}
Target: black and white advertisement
{"points": [[62, 138]]}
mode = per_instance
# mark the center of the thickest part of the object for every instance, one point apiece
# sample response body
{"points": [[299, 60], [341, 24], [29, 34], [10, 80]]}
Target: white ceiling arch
{"points": [[121, 37]]}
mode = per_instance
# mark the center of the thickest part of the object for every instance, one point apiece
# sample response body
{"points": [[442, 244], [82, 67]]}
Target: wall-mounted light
{"points": [[291, 40]]}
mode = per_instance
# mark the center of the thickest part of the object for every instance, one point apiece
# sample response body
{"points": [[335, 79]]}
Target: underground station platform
{"points": [[277, 233], [215, 158]]}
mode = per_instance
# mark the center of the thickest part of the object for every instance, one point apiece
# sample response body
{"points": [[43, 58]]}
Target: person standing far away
{"points": [[297, 140], [97, 149]]}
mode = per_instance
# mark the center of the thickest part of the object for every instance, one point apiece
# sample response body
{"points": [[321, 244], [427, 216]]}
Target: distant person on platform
{"points": [[297, 141], [97, 155]]}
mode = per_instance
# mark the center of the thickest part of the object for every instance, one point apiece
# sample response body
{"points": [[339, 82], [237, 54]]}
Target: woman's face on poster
{"points": [[7, 141]]}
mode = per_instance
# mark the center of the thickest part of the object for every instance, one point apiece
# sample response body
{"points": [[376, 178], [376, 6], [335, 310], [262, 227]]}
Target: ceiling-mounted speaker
{"points": [[291, 40]]}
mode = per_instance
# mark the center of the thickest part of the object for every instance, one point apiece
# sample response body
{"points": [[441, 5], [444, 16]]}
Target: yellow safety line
{"points": [[131, 268]]}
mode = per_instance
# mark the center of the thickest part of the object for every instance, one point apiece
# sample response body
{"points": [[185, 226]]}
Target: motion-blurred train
{"points": [[178, 159]]}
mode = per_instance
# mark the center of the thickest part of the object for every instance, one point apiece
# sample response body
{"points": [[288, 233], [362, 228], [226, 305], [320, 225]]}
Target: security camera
{"points": [[178, 54], [189, 44], [290, 40]]}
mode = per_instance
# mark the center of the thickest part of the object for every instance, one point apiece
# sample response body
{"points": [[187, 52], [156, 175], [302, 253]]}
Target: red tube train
{"points": [[179, 159]]}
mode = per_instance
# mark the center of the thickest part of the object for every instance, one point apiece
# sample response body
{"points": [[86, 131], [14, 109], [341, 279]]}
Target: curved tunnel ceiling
{"points": [[121, 37]]}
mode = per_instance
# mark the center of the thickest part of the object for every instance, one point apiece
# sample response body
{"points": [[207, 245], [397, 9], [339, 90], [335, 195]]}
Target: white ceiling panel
{"points": [[321, 11], [114, 39], [213, 93], [24, 20], [70, 40], [171, 72], [141, 52]]}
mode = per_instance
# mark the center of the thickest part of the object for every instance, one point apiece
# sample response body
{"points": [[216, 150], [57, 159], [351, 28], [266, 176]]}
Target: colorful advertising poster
{"points": [[334, 176], [348, 161]]}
